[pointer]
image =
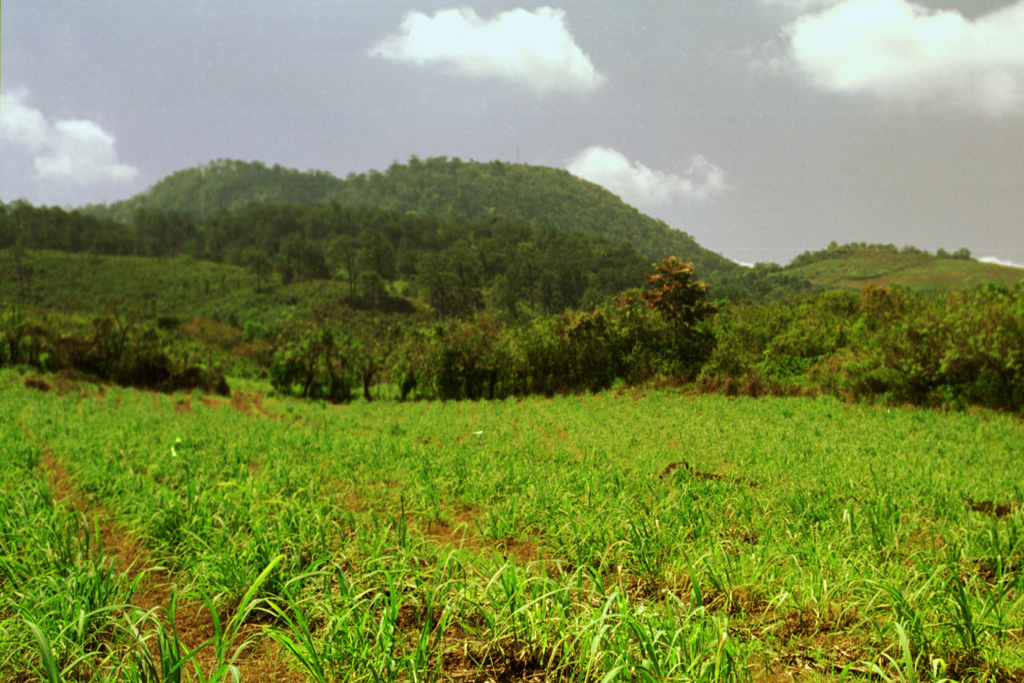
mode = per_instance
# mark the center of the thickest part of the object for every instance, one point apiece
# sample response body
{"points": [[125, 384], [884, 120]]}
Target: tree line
{"points": [[449, 264], [113, 346], [385, 257], [882, 344]]}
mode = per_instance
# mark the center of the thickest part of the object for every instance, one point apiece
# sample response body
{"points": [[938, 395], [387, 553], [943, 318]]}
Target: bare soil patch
{"points": [[215, 403], [988, 507], [671, 468], [462, 531], [37, 383]]}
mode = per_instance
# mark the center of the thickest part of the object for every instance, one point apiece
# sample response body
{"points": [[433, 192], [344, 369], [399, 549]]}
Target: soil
{"points": [[988, 507]]}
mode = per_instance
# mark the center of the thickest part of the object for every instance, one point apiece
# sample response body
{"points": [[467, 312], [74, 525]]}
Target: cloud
{"points": [[72, 150], [1000, 262], [799, 5], [641, 186], [534, 49], [899, 51]]}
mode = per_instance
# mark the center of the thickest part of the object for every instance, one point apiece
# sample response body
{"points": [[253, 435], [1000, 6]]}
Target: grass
{"points": [[919, 272], [152, 537]]}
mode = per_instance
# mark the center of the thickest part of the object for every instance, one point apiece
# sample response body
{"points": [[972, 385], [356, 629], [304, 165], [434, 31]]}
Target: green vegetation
{"points": [[377, 252], [168, 291], [856, 266], [889, 344], [577, 526], [111, 347], [622, 536], [225, 185], [312, 339], [449, 190]]}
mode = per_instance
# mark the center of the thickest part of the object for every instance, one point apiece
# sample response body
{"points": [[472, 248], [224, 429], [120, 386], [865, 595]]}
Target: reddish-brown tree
{"points": [[674, 292]]}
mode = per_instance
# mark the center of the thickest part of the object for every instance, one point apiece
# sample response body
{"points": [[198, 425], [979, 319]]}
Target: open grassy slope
{"points": [[917, 271]]}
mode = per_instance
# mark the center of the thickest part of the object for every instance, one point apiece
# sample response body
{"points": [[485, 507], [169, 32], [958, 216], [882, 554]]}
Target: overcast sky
{"points": [[763, 128]]}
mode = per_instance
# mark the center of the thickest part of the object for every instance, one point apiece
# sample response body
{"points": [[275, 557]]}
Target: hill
{"points": [[440, 187], [536, 194], [224, 184], [856, 266]]}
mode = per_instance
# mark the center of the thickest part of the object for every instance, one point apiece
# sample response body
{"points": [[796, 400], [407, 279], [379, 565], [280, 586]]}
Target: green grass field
{"points": [[919, 272], [147, 537]]}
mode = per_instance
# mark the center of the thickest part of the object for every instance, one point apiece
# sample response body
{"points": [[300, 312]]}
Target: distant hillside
{"points": [[225, 184], [174, 289], [446, 188], [857, 265], [536, 194]]}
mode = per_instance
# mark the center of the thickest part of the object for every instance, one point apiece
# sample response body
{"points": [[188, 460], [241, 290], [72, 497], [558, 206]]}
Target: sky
{"points": [[763, 128]]}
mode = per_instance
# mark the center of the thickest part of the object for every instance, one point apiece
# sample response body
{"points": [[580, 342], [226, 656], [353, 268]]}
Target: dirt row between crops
{"points": [[192, 620]]}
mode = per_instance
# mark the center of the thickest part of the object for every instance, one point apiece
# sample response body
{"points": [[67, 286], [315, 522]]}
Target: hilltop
{"points": [[855, 266], [224, 185], [440, 187]]}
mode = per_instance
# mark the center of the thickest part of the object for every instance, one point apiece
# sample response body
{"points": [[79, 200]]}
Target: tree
{"points": [[257, 261], [312, 359], [21, 263], [300, 259], [370, 351], [344, 251], [673, 292], [159, 233], [377, 254], [451, 283], [13, 330]]}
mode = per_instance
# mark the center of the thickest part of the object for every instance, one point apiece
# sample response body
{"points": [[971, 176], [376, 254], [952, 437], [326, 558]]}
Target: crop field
{"points": [[621, 536]]}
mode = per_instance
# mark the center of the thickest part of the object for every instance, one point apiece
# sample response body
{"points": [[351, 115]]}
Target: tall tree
{"points": [[673, 291]]}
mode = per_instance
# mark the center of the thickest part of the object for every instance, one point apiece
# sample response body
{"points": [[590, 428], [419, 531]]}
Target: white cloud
{"points": [[899, 51], [75, 151], [534, 49], [641, 186], [1000, 262], [799, 5]]}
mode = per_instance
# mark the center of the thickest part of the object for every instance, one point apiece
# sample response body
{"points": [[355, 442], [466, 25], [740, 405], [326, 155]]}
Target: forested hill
{"points": [[536, 194], [442, 187], [225, 185]]}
